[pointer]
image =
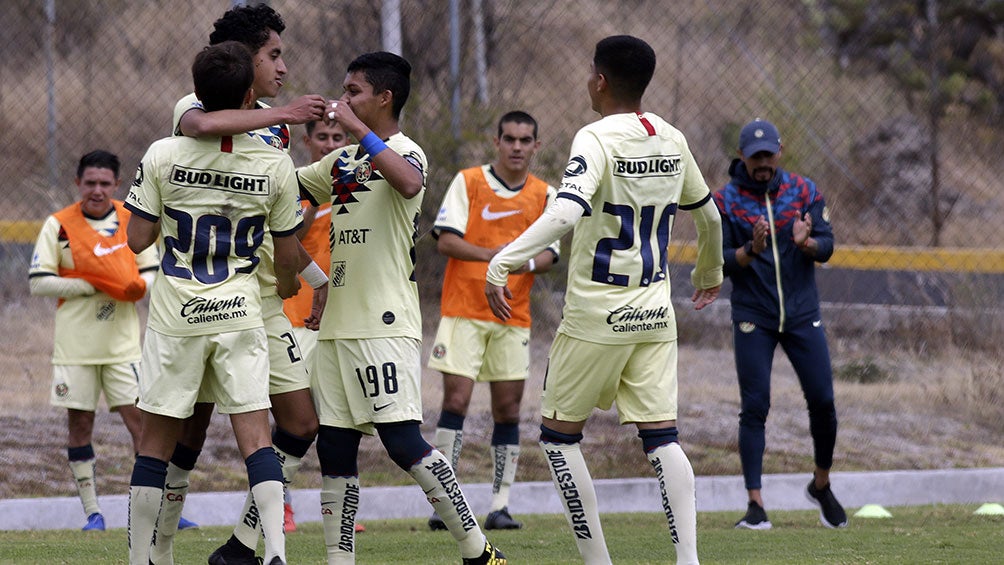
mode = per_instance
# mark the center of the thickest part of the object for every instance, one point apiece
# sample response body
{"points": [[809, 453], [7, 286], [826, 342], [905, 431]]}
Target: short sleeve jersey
{"points": [[483, 210], [275, 136], [215, 198], [373, 292], [630, 172], [95, 329]]}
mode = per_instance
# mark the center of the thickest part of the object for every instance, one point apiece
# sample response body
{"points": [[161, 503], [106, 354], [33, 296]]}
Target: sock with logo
{"points": [[450, 436], [82, 462], [175, 492], [290, 449], [505, 449], [265, 478], [574, 484], [337, 452], [146, 490], [676, 483], [339, 504], [434, 473], [439, 482]]}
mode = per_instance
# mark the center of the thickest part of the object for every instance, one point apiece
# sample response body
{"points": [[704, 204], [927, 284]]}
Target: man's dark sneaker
{"points": [[490, 556], [831, 513], [276, 561], [755, 518], [234, 553], [436, 523], [501, 520]]}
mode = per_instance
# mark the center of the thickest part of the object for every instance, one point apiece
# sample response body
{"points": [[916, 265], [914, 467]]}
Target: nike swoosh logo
{"points": [[101, 250], [817, 323], [379, 408], [488, 215]]}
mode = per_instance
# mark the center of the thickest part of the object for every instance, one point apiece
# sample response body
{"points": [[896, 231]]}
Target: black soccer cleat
{"points": [[501, 520]]}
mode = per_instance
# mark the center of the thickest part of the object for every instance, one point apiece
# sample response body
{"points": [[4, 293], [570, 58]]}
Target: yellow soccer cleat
{"points": [[490, 556]]}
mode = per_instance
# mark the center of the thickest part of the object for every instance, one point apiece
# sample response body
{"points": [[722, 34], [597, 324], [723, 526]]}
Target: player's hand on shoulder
{"points": [[305, 108]]}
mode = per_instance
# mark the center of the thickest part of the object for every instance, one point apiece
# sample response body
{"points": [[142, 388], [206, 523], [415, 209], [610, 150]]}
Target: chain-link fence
{"points": [[893, 108]]}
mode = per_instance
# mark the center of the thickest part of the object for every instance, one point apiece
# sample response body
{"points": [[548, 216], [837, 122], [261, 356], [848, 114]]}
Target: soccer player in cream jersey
{"points": [[367, 372], [628, 175], [258, 28], [209, 202], [81, 258]]}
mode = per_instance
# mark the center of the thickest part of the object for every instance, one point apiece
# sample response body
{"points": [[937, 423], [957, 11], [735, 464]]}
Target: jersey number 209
{"points": [[209, 240]]}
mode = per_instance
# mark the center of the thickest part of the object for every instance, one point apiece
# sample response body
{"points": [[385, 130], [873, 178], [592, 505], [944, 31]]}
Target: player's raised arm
{"points": [[198, 123]]}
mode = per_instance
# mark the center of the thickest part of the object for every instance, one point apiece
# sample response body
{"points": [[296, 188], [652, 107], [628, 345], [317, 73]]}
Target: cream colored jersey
{"points": [[373, 292], [630, 173], [216, 198], [95, 329], [276, 136]]}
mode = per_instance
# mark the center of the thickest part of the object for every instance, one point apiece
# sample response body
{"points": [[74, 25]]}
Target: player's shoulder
{"points": [[405, 145]]}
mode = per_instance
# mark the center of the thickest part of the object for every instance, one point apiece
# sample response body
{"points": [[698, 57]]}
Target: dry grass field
{"points": [[930, 413]]}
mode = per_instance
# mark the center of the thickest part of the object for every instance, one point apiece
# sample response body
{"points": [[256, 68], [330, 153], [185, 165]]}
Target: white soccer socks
{"points": [[449, 441], [676, 484], [575, 489], [339, 504], [82, 466], [175, 493], [506, 458], [439, 482], [268, 499]]}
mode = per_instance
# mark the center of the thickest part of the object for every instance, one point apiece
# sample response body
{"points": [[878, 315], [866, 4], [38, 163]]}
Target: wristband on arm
{"points": [[748, 249], [531, 265], [314, 276], [372, 144]]}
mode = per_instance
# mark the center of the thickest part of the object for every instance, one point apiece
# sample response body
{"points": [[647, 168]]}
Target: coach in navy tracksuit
{"points": [[775, 228]]}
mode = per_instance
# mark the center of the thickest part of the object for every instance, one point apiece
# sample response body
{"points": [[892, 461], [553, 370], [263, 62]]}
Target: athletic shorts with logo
{"points": [[481, 350], [357, 383], [79, 386]]}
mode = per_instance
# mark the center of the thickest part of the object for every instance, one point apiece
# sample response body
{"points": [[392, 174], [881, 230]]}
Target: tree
{"points": [[941, 54]]}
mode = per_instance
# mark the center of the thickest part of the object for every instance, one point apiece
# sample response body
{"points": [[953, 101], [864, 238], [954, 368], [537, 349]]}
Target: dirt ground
{"points": [[913, 421]]}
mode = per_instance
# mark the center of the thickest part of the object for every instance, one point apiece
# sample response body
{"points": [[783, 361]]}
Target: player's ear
{"points": [[248, 101]]}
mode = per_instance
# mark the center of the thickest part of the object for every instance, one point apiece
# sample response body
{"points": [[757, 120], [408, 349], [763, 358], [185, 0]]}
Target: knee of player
{"points": [[652, 439], [404, 443], [548, 435]]}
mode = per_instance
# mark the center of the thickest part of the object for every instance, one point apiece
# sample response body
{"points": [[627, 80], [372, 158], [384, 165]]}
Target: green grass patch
{"points": [[924, 534]]}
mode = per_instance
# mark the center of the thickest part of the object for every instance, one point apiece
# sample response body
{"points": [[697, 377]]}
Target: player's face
{"points": [[365, 104], [516, 147], [97, 185], [269, 68], [324, 140], [762, 165]]}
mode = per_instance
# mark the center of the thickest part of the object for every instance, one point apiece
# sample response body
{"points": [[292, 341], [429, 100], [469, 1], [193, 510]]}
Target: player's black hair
{"points": [[222, 74], [386, 71], [248, 24], [99, 159], [517, 117], [627, 62]]}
